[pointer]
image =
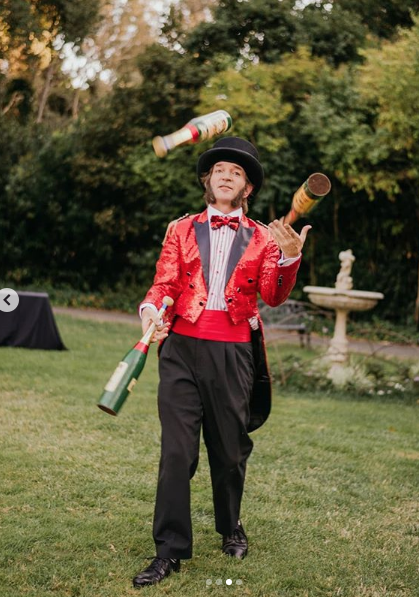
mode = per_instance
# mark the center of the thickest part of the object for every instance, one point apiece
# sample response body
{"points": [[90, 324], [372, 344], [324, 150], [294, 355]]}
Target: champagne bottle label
{"points": [[212, 124], [301, 202], [116, 377], [198, 129]]}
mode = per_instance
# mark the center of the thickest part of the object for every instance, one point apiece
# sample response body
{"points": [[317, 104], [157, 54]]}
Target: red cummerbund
{"points": [[213, 325]]}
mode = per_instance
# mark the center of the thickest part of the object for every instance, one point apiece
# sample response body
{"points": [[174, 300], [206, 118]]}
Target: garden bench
{"points": [[290, 316]]}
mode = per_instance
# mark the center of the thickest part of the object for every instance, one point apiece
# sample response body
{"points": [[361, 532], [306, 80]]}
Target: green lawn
{"points": [[331, 503]]}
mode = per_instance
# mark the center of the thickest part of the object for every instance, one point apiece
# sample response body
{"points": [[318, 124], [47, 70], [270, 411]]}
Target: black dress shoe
{"points": [[235, 545], [156, 572]]}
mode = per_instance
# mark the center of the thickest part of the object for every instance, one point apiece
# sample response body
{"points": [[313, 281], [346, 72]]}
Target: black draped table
{"points": [[31, 324]]}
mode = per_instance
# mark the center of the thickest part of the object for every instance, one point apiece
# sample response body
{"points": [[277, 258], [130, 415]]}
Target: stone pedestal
{"points": [[338, 348]]}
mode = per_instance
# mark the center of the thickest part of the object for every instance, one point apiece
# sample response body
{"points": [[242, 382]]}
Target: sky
{"points": [[83, 67]]}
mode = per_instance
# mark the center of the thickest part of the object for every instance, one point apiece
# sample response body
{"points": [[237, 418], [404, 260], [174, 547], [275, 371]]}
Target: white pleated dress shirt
{"points": [[221, 241]]}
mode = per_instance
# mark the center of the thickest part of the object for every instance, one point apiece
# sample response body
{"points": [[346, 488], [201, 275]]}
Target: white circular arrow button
{"points": [[9, 299]]}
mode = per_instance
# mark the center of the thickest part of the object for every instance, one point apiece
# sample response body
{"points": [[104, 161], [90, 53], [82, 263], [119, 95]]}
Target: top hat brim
{"points": [[249, 164]]}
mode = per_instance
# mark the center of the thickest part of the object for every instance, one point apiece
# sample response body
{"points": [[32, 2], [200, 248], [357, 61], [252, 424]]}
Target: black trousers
{"points": [[202, 384]]}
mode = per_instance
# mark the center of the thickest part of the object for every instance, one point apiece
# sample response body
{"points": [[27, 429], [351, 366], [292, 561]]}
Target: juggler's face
{"points": [[228, 181]]}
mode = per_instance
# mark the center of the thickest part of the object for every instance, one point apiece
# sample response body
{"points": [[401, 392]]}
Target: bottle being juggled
{"points": [[198, 129], [306, 197]]}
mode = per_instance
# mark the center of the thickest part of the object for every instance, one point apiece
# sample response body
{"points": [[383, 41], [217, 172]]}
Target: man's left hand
{"points": [[289, 241]]}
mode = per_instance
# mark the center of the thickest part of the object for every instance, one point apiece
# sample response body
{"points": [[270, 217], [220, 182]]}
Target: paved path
{"points": [[387, 349], [98, 315]]}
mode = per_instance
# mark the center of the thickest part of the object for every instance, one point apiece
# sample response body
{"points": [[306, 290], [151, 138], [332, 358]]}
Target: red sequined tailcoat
{"points": [[182, 272]]}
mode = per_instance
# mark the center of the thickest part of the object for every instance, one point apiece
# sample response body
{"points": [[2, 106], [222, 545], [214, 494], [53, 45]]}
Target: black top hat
{"points": [[235, 150]]}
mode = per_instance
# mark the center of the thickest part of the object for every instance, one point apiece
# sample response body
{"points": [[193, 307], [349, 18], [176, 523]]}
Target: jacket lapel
{"points": [[241, 241], [243, 237], [203, 240]]}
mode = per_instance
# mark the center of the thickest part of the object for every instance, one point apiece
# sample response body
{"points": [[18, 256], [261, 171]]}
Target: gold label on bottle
{"points": [[116, 377], [301, 202]]}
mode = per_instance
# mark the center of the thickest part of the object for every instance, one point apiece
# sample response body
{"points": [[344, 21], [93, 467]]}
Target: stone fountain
{"points": [[342, 299]]}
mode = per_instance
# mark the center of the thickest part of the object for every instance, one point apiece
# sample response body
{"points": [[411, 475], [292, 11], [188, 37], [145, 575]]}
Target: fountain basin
{"points": [[341, 299]]}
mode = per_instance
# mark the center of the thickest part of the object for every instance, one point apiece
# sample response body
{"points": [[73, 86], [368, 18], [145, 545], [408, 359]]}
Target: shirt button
{"points": [[250, 280], [238, 290], [191, 285], [201, 303], [230, 300]]}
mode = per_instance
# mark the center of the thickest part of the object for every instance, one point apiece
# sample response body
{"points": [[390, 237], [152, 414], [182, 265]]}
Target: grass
{"points": [[330, 503]]}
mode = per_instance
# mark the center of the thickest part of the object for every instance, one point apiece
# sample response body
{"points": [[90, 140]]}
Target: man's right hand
{"points": [[148, 317]]}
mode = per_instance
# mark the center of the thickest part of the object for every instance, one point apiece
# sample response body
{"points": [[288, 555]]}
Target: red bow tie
{"points": [[218, 221]]}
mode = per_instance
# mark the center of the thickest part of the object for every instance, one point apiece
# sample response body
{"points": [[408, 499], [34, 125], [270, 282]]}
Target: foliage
{"points": [[383, 18], [121, 298], [368, 377], [365, 326], [334, 32], [366, 121], [23, 19], [254, 101], [170, 88], [29, 29], [386, 83], [365, 125], [264, 30], [94, 200]]}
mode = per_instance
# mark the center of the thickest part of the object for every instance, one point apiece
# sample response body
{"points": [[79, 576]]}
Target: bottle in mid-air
{"points": [[198, 129], [306, 197]]}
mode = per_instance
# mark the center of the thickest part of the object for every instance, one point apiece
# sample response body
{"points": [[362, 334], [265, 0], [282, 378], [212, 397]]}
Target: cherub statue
{"points": [[344, 280]]}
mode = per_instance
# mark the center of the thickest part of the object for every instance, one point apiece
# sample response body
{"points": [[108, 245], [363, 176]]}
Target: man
{"points": [[212, 365]]}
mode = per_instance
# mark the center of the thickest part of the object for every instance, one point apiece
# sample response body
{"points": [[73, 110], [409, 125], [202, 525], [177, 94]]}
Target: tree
{"points": [[366, 127], [334, 32], [381, 18], [30, 33], [256, 30]]}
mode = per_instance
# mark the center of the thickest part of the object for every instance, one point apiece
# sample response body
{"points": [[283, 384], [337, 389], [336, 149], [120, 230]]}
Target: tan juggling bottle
{"points": [[311, 191]]}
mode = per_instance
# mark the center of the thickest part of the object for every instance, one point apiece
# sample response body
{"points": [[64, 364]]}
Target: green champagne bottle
{"points": [[125, 376]]}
